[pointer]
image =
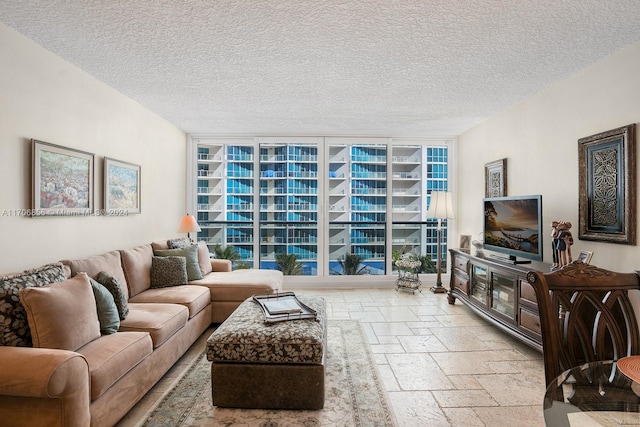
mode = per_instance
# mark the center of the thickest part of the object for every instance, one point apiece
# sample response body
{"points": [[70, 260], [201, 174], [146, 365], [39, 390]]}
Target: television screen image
{"points": [[513, 226]]}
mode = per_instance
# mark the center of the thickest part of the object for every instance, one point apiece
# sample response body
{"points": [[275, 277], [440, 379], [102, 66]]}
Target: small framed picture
{"points": [[585, 256], [121, 187], [465, 242], [495, 177]]}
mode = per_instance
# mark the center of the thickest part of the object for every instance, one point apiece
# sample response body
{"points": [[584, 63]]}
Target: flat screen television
{"points": [[513, 226]]}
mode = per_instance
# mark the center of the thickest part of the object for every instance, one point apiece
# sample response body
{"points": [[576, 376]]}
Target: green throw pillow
{"points": [[191, 255], [107, 310]]}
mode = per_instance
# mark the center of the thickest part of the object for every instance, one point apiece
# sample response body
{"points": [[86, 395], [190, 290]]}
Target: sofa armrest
{"points": [[221, 265], [54, 378]]}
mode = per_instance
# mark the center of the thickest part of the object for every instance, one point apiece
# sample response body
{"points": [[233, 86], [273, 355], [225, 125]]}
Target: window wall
{"points": [[342, 206]]}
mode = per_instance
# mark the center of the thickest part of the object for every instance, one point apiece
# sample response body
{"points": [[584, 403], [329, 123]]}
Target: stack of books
{"points": [[284, 306]]}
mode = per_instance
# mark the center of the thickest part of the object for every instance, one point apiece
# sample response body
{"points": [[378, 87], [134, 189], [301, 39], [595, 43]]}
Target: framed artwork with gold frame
{"points": [[62, 180]]}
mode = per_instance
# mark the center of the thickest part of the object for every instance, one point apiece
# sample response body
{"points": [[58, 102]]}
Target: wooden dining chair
{"points": [[585, 316]]}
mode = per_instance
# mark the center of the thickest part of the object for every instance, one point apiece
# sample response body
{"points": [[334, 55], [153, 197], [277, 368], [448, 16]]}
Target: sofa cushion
{"points": [[109, 262], [110, 357], [240, 284], [204, 258], [14, 326], [161, 321], [108, 315], [191, 255], [136, 263], [119, 296], [195, 298], [62, 315], [168, 271]]}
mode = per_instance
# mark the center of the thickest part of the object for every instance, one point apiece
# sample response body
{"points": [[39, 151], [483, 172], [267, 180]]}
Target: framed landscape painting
{"points": [[62, 180], [121, 187]]}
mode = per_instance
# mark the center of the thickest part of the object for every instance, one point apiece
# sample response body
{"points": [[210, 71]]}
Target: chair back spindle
{"points": [[585, 316]]}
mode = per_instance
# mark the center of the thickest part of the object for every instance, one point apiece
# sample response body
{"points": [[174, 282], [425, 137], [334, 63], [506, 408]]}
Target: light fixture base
{"points": [[438, 290]]}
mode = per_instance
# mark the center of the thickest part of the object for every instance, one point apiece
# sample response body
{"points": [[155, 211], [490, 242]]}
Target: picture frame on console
{"points": [[121, 187], [495, 176], [465, 242], [62, 180], [585, 256], [607, 184]]}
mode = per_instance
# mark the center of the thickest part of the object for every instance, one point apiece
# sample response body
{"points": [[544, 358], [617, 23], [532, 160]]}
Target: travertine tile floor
{"points": [[441, 364]]}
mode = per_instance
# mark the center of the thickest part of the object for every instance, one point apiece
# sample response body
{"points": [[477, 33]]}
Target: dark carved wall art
{"points": [[607, 186], [495, 177]]}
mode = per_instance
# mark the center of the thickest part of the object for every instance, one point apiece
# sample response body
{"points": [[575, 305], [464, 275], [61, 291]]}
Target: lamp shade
{"points": [[441, 205], [188, 224]]}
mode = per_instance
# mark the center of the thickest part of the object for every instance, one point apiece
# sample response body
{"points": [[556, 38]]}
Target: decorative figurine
{"points": [[554, 245], [563, 242]]}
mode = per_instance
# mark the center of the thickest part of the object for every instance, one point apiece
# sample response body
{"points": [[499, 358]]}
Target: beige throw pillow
{"points": [[62, 315], [204, 258]]}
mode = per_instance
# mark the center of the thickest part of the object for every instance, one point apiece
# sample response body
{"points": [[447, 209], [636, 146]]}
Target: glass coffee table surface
{"points": [[594, 394]]}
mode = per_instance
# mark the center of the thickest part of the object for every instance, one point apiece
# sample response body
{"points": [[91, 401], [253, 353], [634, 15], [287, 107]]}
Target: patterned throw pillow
{"points": [[112, 284], [182, 242], [14, 326], [168, 271], [191, 254]]}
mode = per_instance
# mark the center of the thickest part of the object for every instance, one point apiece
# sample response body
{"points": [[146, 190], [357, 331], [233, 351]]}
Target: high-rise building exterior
{"points": [[322, 199]]}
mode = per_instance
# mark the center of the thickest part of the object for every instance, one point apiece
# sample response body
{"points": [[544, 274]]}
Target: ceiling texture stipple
{"points": [[328, 67]]}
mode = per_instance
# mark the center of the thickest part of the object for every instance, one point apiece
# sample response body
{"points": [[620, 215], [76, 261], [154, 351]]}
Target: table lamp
{"points": [[187, 225]]}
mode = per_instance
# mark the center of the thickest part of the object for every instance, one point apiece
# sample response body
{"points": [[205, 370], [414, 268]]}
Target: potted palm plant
{"points": [[230, 253], [351, 265], [289, 264]]}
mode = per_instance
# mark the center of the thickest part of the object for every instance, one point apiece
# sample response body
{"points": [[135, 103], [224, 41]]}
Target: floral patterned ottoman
{"points": [[268, 365]]}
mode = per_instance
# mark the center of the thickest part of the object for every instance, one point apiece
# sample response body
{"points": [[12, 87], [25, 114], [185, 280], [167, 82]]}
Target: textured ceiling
{"points": [[348, 67]]}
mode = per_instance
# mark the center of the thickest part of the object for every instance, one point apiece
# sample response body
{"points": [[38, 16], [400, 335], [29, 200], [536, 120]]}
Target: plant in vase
{"points": [[409, 264]]}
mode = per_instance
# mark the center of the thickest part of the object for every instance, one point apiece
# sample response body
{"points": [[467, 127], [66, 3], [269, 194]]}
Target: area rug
{"points": [[354, 394]]}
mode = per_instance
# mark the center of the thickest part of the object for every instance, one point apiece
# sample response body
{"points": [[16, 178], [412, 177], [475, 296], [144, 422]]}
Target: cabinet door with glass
{"points": [[503, 294], [479, 283]]}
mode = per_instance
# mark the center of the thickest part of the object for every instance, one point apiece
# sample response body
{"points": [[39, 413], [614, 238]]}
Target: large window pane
{"points": [[340, 207], [289, 204]]}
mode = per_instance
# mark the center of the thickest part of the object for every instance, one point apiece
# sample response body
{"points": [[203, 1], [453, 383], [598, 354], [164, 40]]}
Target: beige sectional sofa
{"points": [[76, 376]]}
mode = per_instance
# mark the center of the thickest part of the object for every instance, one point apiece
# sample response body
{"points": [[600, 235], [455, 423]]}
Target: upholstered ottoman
{"points": [[268, 365]]}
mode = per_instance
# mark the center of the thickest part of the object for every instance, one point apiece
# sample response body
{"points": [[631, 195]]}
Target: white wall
{"points": [[46, 98], [539, 138]]}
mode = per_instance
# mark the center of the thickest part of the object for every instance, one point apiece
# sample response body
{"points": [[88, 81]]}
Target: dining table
{"points": [[592, 395]]}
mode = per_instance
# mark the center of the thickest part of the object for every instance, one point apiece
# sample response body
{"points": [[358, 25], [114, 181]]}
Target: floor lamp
{"points": [[440, 207]]}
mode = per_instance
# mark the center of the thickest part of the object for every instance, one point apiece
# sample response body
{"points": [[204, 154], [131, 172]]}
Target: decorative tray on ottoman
{"points": [[283, 306]]}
